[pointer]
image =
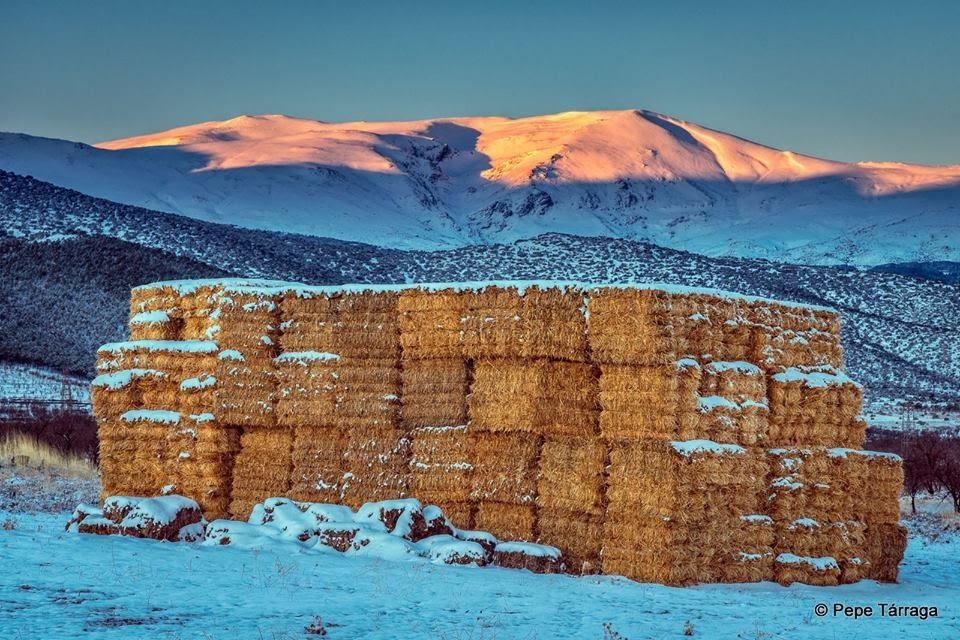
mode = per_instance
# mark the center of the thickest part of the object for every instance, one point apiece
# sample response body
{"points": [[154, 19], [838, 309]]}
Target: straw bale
{"points": [[666, 551], [152, 299], [549, 397], [422, 410], [439, 445], [195, 395], [869, 483], [698, 321], [819, 571], [645, 402], [348, 338], [174, 357], [430, 323], [579, 535], [262, 467], [737, 381], [723, 420], [687, 481], [460, 515], [377, 462], [571, 475], [754, 533], [119, 391], [536, 323], [884, 548], [434, 392], [506, 521], [156, 325], [814, 538], [440, 484], [318, 463], [504, 466], [630, 326], [744, 566]]}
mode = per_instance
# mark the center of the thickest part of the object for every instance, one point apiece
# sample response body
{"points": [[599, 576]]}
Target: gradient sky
{"points": [[844, 80]]}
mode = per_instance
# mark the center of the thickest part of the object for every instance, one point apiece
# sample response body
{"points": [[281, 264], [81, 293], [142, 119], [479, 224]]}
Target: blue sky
{"points": [[844, 80]]}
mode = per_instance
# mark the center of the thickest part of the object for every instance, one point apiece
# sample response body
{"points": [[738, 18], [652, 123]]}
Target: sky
{"points": [[842, 80]]}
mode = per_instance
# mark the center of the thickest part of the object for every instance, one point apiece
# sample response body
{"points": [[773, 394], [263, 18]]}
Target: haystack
{"points": [[664, 433]]}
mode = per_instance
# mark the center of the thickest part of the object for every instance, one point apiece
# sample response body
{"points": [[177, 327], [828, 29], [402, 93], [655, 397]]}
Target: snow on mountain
{"points": [[452, 182]]}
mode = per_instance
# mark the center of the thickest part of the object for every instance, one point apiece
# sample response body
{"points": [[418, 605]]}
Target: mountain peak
{"points": [[446, 182]]}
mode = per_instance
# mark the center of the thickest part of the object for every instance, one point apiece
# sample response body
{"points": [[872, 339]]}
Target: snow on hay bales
{"points": [[168, 518], [662, 432]]}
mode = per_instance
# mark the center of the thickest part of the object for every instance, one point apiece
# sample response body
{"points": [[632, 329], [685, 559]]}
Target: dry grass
{"points": [[42, 456]]}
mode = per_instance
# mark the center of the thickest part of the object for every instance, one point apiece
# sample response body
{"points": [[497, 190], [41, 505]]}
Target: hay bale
{"points": [[578, 534], [525, 322], [738, 381], [870, 483], [318, 463], [376, 466], [174, 357], [744, 566], [538, 558], [363, 323], [543, 396], [647, 401], [571, 475], [506, 521], [430, 323], [688, 481], [434, 392], [819, 571], [200, 454], [814, 406], [723, 420], [630, 326], [440, 468], [158, 324], [307, 384], [119, 391], [666, 551], [884, 547], [261, 469], [504, 466]]}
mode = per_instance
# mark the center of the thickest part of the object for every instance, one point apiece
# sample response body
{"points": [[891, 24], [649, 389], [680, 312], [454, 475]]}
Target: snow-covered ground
{"points": [[65, 585]]}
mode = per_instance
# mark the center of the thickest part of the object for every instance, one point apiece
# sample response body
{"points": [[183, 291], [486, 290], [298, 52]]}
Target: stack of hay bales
{"points": [[676, 509], [534, 389], [245, 322], [680, 487], [352, 444], [664, 433], [837, 510], [436, 378], [136, 402]]}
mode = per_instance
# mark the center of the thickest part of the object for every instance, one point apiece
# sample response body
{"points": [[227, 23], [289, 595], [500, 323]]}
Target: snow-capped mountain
{"points": [[69, 261], [453, 182]]}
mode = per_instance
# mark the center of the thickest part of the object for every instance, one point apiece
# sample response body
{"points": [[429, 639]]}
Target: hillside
{"points": [[72, 260], [451, 182]]}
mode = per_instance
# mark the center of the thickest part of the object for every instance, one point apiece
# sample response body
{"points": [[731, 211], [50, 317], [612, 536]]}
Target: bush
{"points": [[69, 433]]}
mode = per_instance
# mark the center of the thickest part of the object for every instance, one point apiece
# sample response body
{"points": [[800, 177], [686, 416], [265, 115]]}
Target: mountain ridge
{"points": [[449, 182]]}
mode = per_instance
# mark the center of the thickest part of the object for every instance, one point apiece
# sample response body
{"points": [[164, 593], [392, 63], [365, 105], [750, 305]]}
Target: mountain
{"points": [[70, 259], [453, 182]]}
